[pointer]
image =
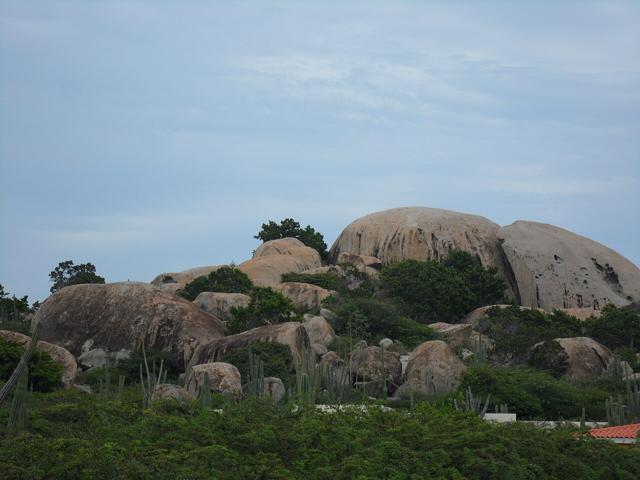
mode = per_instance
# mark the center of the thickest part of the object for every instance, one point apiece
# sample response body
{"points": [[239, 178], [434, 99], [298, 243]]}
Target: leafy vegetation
{"points": [[276, 360], [616, 328], [66, 274], [289, 228], [515, 330], [226, 279], [44, 373], [13, 312], [346, 279], [265, 308], [549, 356], [444, 291], [71, 435]]}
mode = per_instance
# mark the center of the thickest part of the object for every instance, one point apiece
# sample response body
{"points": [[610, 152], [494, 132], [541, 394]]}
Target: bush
{"points": [[550, 357], [616, 327], [44, 373], [289, 228], [13, 312], [66, 274], [441, 291], [265, 308], [226, 279], [353, 283], [515, 330], [276, 358], [535, 395]]}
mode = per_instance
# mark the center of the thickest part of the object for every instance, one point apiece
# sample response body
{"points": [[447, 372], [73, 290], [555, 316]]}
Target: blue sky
{"points": [[157, 136]]}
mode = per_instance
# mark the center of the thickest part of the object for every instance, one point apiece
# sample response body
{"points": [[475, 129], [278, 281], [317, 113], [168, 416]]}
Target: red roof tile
{"points": [[623, 431]]}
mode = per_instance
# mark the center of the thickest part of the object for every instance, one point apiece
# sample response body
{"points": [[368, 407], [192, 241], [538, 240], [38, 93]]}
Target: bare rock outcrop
{"points": [[555, 268], [290, 334], [116, 318], [419, 233], [58, 354], [476, 316], [586, 357], [273, 388], [319, 330], [223, 378], [304, 295], [220, 304], [167, 391], [455, 334], [274, 258], [433, 369]]}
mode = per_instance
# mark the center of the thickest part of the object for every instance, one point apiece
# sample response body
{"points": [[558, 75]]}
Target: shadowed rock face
{"points": [[555, 268], [291, 334], [111, 318], [274, 258], [57, 354]]}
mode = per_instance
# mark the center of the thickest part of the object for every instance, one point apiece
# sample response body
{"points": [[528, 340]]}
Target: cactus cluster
{"points": [[623, 410], [471, 403]]}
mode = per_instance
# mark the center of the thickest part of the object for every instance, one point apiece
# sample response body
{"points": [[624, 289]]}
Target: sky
{"points": [[156, 136]]}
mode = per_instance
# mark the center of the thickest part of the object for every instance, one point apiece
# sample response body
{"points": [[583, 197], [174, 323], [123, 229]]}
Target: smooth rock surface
{"points": [[274, 389], [366, 366], [319, 330], [555, 268], [220, 304], [433, 369], [175, 280], [223, 377], [118, 317], [303, 295], [455, 334], [166, 391], [587, 358]]}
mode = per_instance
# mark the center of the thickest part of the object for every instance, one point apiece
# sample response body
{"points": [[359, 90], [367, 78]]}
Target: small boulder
{"points": [[433, 369], [220, 304], [223, 377], [303, 295], [166, 391], [319, 330], [586, 357], [58, 354], [274, 389], [385, 343]]}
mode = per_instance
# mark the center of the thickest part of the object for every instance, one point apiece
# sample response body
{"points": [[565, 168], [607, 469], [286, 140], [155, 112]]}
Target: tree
{"points": [[289, 228], [12, 308], [227, 279], [265, 308], [616, 327], [66, 273]]}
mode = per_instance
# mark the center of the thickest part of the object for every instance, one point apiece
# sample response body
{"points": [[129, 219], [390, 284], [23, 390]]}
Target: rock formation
{"points": [[433, 369], [173, 281], [303, 295], [554, 268], [274, 258], [586, 357], [96, 320], [319, 330], [223, 377], [220, 304], [291, 334], [366, 365]]}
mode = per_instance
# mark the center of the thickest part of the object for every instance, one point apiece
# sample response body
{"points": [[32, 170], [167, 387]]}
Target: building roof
{"points": [[622, 431]]}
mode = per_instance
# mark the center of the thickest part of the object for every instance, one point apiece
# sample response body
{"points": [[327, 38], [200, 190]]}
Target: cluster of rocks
{"points": [[544, 267]]}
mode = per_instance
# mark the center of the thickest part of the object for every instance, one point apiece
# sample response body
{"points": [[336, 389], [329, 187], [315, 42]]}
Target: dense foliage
{"points": [[226, 279], [616, 328], [444, 291], [289, 228], [346, 280], [265, 308], [44, 373], [532, 394], [276, 359], [66, 274], [71, 435], [13, 312], [515, 330]]}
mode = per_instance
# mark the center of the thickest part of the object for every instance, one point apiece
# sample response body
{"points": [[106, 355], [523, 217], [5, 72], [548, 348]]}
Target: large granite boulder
{"points": [[290, 334], [173, 281], [319, 330], [419, 233], [303, 295], [274, 258], [455, 334], [220, 304], [170, 392], [586, 358], [223, 378], [555, 268], [58, 354], [433, 369], [367, 368], [103, 321]]}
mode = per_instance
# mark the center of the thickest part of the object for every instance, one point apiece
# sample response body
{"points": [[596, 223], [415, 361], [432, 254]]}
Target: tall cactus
{"points": [[255, 385], [623, 410], [22, 364], [471, 403], [148, 382], [205, 392], [18, 411], [308, 377], [383, 376]]}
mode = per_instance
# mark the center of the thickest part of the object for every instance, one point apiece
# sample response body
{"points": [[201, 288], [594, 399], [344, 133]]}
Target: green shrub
{"points": [[289, 228], [441, 291], [616, 327], [276, 358], [13, 312], [226, 279], [265, 308], [550, 357], [44, 373], [515, 330], [352, 283], [66, 274]]}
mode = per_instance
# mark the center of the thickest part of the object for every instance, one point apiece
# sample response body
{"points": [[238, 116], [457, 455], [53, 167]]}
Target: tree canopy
{"points": [[290, 228], [66, 274]]}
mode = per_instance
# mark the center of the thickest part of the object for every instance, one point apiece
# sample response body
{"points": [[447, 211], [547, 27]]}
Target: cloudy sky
{"points": [[156, 136]]}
